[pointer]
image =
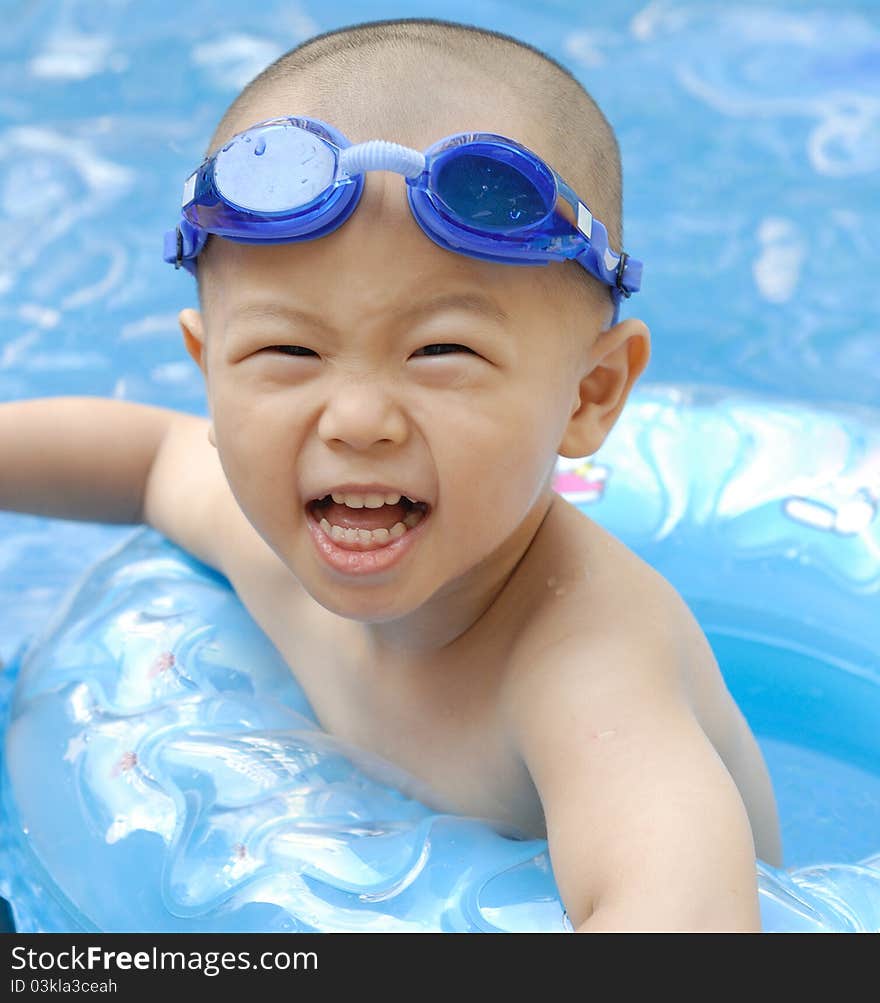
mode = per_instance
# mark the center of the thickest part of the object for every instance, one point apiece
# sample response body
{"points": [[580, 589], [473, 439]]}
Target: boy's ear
{"points": [[193, 328], [617, 358]]}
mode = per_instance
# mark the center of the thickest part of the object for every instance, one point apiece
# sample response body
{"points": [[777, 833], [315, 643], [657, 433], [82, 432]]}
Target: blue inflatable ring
{"points": [[163, 771]]}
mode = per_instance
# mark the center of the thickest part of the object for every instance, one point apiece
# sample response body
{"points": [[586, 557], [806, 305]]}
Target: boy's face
{"points": [[474, 431]]}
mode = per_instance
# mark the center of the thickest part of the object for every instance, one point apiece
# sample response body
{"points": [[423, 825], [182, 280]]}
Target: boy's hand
{"points": [[646, 829]]}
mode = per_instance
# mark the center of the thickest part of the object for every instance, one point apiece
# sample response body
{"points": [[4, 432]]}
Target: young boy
{"points": [[386, 410]]}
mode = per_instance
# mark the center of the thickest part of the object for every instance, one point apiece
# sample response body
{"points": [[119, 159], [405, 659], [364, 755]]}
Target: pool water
{"points": [[750, 135], [826, 778]]}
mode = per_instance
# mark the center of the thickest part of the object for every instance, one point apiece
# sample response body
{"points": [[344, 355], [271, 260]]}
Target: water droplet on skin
{"points": [[260, 148], [551, 583], [559, 592]]}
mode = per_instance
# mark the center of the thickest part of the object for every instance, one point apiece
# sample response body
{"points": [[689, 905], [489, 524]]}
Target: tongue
{"points": [[361, 518]]}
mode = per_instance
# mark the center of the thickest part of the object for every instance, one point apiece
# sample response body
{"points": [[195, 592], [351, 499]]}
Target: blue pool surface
{"points": [[750, 135], [827, 782]]}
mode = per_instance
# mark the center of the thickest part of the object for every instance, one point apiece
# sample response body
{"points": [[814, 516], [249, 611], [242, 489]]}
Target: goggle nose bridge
{"points": [[382, 155]]}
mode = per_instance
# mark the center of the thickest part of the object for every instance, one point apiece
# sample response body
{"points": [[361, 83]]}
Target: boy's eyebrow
{"points": [[472, 301]]}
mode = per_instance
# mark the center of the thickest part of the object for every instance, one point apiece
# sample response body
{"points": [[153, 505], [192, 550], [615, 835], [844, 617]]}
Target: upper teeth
{"points": [[365, 501]]}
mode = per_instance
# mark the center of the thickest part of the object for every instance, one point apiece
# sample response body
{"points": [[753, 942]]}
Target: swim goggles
{"points": [[475, 193]]}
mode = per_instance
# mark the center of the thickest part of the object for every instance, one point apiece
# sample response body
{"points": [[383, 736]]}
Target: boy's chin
{"points": [[365, 609]]}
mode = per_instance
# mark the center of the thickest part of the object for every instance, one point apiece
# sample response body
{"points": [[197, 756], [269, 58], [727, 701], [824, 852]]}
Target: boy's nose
{"points": [[361, 415]]}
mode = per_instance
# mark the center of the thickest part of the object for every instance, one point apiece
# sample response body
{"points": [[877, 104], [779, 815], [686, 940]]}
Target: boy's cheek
{"points": [[259, 473]]}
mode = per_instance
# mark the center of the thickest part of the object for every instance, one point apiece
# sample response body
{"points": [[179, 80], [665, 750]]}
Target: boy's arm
{"points": [[187, 497], [100, 460], [84, 458], [646, 828]]}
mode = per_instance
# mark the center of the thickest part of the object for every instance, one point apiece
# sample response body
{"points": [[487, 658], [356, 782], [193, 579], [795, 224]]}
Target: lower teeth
{"points": [[370, 537]]}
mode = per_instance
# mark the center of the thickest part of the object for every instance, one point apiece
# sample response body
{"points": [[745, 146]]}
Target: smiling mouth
{"points": [[367, 528]]}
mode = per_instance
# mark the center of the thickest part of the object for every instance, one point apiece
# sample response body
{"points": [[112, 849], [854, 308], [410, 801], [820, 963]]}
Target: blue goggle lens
{"points": [[488, 193], [279, 170]]}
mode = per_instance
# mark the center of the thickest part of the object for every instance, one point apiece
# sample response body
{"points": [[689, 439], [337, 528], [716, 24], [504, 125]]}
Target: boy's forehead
{"points": [[407, 120]]}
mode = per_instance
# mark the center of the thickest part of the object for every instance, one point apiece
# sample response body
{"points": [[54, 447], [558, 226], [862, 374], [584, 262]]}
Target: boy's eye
{"points": [[444, 349], [437, 349], [292, 350]]}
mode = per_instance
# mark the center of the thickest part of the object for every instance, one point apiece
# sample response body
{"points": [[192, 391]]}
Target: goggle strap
{"points": [[629, 275], [183, 244], [169, 247], [620, 271]]}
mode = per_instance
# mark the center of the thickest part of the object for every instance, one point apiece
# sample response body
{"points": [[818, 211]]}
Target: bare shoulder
{"points": [[613, 651], [608, 632], [610, 622], [588, 591], [188, 499]]}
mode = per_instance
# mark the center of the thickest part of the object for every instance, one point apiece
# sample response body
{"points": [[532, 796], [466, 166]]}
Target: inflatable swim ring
{"points": [[163, 771]]}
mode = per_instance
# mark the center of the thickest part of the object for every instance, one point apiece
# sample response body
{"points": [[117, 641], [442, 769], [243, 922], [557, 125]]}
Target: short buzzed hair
{"points": [[348, 60]]}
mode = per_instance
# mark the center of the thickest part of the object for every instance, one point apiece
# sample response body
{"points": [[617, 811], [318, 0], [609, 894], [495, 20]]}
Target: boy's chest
{"points": [[447, 735]]}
